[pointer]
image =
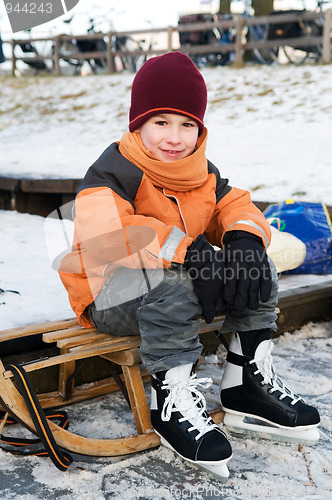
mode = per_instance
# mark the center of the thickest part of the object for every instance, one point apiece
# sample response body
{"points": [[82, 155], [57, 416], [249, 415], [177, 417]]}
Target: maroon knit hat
{"points": [[170, 83]]}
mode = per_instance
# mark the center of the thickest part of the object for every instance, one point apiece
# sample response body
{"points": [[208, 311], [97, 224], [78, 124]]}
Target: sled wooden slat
{"points": [[79, 353], [85, 391], [25, 331], [124, 358], [132, 341], [84, 338], [67, 333], [136, 393]]}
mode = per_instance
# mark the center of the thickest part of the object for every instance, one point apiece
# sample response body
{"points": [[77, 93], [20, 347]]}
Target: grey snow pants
{"points": [[161, 306]]}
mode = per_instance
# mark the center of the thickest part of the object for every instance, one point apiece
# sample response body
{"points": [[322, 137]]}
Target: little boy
{"points": [[146, 217]]}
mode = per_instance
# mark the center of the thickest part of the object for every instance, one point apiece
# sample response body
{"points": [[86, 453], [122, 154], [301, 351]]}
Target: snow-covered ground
{"points": [[269, 131], [269, 126]]}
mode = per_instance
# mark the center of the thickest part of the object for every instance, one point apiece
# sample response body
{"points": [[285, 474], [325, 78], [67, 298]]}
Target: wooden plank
{"points": [[24, 331], [65, 372], [81, 393], [9, 183], [111, 340], [326, 55], [85, 338], [215, 325], [217, 415], [124, 358], [80, 353], [306, 41], [137, 397], [57, 335], [50, 185]]}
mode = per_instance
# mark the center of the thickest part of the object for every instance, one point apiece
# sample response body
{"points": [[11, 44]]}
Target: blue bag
{"points": [[310, 222]]}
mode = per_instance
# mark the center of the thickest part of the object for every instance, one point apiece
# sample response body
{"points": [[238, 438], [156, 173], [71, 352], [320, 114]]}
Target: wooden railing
{"points": [[240, 45]]}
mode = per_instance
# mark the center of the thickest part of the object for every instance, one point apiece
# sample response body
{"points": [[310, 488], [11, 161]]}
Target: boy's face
{"points": [[169, 137]]}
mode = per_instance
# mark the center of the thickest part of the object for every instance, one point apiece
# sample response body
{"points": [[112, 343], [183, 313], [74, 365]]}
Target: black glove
{"points": [[247, 271], [206, 269]]}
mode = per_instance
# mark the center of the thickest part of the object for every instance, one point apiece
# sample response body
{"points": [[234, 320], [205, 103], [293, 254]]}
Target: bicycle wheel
{"points": [[124, 44], [200, 60], [298, 55], [139, 61], [97, 64], [259, 32], [295, 56], [66, 50]]}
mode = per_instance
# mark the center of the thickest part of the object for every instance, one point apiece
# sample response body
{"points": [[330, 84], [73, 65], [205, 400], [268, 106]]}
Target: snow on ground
{"points": [[269, 131], [269, 126]]}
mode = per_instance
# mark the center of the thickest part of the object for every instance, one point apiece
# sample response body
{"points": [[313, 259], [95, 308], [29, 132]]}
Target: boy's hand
{"points": [[206, 269], [247, 271]]}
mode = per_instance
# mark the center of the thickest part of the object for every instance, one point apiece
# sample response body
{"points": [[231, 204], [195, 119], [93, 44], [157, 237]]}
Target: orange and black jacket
{"points": [[122, 219]]}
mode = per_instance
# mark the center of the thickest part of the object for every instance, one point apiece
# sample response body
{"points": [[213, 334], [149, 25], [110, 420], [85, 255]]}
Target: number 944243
{"points": [[29, 8]]}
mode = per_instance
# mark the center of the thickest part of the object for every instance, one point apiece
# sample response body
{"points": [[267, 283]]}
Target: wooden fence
{"points": [[239, 46]]}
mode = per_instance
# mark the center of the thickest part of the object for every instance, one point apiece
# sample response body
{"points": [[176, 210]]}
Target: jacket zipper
{"points": [[178, 205]]}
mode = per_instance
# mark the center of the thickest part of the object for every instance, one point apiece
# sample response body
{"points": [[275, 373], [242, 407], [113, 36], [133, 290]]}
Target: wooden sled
{"points": [[75, 343]]}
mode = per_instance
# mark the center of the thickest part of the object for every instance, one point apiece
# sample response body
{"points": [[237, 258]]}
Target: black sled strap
{"points": [[60, 458], [14, 445]]}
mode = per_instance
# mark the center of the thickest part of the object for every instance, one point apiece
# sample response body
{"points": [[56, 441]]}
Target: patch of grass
{"points": [[219, 99], [47, 110], [256, 188], [265, 92], [73, 96], [13, 108], [78, 108], [299, 193]]}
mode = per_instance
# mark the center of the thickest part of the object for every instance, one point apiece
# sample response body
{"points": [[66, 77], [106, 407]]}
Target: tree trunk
{"points": [[225, 6], [262, 7]]}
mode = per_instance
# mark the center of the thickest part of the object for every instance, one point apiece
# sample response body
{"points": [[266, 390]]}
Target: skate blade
{"points": [[220, 472], [237, 423], [218, 469]]}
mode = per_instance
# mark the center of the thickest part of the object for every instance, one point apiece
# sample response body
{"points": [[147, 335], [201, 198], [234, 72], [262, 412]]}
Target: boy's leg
{"points": [[166, 315], [167, 318], [263, 318], [250, 388]]}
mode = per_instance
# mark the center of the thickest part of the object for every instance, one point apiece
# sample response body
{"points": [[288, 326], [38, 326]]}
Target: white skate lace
{"points": [[185, 398], [266, 369]]}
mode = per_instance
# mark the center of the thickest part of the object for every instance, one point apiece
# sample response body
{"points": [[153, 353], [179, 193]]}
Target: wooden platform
{"points": [[42, 196]]}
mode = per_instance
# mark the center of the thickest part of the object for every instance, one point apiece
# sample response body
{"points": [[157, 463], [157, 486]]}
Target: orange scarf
{"points": [[183, 175]]}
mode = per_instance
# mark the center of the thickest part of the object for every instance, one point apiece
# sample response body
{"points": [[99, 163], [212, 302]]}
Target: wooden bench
{"points": [[76, 343]]}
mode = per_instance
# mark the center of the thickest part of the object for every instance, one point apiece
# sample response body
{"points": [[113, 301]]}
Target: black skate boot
{"points": [[179, 417], [255, 400]]}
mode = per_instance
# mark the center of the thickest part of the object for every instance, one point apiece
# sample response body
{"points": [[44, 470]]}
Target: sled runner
{"points": [[75, 343]]}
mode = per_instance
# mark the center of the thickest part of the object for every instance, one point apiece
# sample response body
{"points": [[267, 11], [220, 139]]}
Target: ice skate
{"points": [[257, 402], [179, 417]]}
